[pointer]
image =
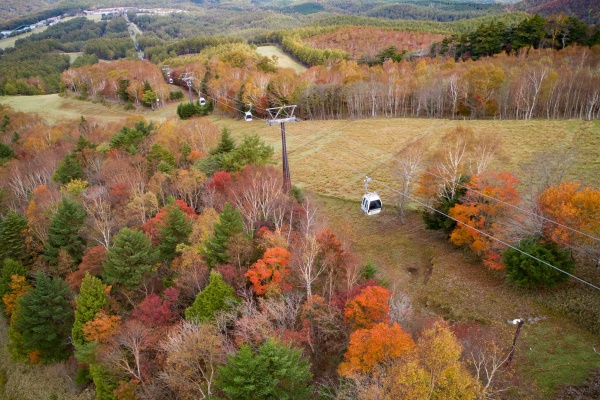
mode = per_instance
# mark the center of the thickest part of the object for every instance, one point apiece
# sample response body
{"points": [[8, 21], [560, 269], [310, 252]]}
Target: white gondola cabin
{"points": [[248, 116], [202, 101], [371, 204], [170, 80]]}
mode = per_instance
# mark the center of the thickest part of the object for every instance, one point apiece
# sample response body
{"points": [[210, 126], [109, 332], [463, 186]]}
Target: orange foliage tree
{"points": [[269, 274], [18, 287], [102, 327], [482, 213], [368, 308], [573, 206], [371, 347]]}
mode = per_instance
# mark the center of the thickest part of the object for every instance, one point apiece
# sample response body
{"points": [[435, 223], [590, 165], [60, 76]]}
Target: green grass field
{"points": [[10, 42], [283, 60]]}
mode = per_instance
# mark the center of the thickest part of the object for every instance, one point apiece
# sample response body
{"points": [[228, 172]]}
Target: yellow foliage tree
{"points": [[432, 370]]}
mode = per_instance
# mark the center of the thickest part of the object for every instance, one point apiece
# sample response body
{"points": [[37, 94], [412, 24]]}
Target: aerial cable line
{"points": [[448, 216], [460, 222], [423, 171], [510, 221], [475, 191]]}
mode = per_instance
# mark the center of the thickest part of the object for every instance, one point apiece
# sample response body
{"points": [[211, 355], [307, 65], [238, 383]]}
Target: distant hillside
{"points": [[10, 9], [586, 10], [19, 12]]}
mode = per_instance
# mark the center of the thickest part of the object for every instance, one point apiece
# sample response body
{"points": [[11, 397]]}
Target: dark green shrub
{"points": [[368, 271], [527, 271], [177, 95]]}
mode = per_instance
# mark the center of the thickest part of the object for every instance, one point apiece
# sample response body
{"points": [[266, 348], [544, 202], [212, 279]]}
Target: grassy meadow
{"points": [[10, 41], [283, 60], [330, 159]]}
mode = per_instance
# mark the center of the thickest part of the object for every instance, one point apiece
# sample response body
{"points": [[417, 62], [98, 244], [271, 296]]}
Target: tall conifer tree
{"points": [[215, 247], [129, 258], [91, 299], [12, 237], [43, 320], [68, 169], [174, 229], [64, 232]]}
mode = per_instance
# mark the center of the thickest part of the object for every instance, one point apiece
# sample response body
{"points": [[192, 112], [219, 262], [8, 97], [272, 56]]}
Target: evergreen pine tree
{"points": [[252, 151], [12, 237], [277, 371], [43, 320], [68, 169], [174, 229], [64, 232], [104, 381], [215, 247], [83, 142], [226, 145], [91, 299], [524, 270], [216, 296], [129, 258]]}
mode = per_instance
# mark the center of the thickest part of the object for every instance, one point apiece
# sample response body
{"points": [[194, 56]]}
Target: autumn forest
{"points": [[150, 247]]}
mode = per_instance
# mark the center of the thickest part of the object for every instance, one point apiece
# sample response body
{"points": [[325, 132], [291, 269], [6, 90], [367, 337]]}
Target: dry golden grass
{"points": [[27, 382], [323, 154], [283, 60], [55, 108], [332, 157]]}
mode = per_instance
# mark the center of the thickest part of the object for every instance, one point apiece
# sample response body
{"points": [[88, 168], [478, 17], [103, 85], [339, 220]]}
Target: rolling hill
{"points": [[586, 10]]}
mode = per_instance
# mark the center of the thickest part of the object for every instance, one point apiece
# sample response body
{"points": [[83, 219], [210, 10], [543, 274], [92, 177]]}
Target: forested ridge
{"points": [[542, 84], [34, 65]]}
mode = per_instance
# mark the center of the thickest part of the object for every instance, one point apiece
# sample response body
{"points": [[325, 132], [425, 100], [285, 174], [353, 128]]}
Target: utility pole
{"points": [[281, 115], [519, 323], [187, 78]]}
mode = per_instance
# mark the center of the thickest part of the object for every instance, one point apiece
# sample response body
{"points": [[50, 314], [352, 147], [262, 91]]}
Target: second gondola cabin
{"points": [[371, 204]]}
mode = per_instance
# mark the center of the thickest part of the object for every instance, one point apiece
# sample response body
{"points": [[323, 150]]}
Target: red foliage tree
{"points": [[220, 180], [232, 275], [269, 274], [92, 263], [154, 311]]}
